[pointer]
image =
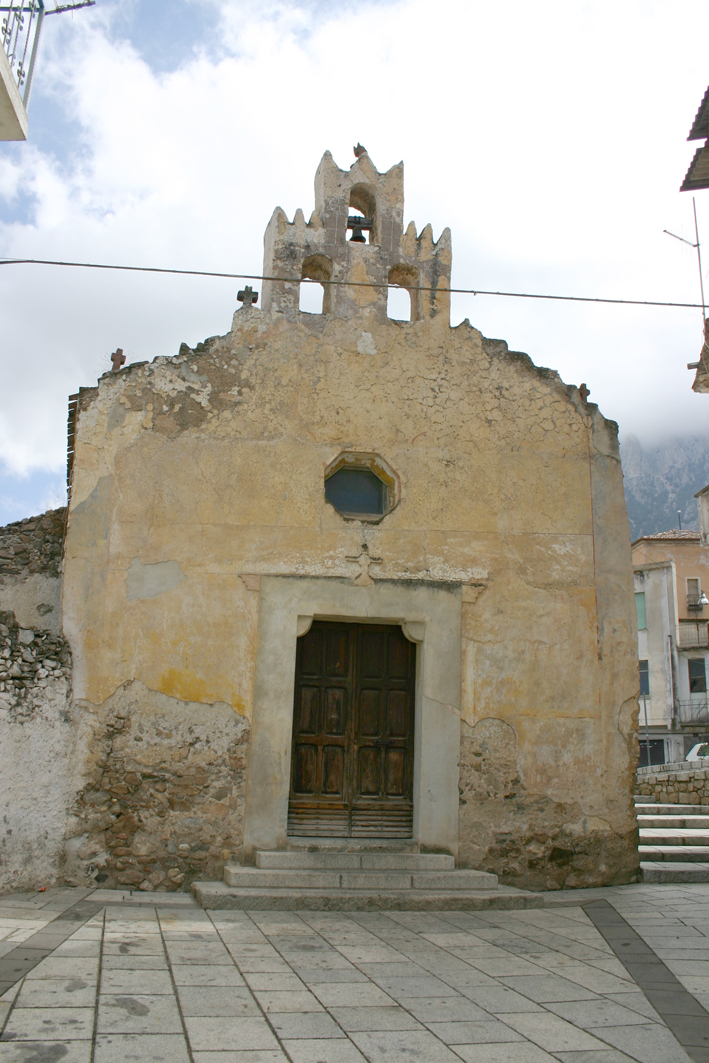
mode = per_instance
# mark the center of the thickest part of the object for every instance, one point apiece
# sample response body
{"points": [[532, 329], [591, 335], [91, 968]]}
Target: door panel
{"points": [[335, 712], [333, 771], [353, 741]]}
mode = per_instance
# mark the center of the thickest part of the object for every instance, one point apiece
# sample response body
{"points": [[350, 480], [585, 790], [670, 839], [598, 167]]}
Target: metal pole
{"points": [[647, 733], [33, 59], [699, 256]]}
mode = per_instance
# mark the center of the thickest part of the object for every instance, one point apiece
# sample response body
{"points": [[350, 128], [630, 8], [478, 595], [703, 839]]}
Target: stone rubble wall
{"points": [[30, 569], [37, 737], [674, 788], [162, 801]]}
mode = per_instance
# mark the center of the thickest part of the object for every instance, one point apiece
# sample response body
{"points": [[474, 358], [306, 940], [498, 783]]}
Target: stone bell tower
{"points": [[332, 246]]}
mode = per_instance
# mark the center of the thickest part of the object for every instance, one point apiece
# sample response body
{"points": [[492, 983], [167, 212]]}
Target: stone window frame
{"points": [[430, 615], [381, 468]]}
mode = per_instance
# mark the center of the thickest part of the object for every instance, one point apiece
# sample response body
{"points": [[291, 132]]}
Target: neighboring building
{"points": [[13, 115], [20, 32], [671, 572], [697, 175], [341, 576]]}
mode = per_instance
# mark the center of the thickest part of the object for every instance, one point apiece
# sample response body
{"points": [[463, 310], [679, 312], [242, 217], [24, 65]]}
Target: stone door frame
{"points": [[430, 615]]}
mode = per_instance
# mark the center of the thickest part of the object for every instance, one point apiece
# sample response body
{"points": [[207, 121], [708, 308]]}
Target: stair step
{"points": [[668, 871], [674, 822], [674, 837], [219, 895], [677, 853], [257, 879], [336, 861], [671, 810], [351, 845]]}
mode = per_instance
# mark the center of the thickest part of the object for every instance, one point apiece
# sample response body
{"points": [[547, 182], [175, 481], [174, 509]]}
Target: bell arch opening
{"points": [[316, 298], [404, 300]]}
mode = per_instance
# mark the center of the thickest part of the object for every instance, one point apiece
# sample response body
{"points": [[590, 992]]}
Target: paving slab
{"points": [[563, 982]]}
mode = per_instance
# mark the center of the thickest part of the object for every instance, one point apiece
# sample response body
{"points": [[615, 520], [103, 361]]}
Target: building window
{"points": [[697, 675], [361, 486], [640, 607], [655, 754], [356, 492], [644, 679]]}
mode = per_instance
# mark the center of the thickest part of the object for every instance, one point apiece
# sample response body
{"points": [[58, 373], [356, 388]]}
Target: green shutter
{"points": [[640, 607]]}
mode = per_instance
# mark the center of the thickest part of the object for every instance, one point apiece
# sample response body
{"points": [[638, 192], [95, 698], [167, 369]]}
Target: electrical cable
{"points": [[351, 284]]}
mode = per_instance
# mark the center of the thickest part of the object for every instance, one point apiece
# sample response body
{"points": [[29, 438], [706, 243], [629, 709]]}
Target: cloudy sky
{"points": [[550, 137]]}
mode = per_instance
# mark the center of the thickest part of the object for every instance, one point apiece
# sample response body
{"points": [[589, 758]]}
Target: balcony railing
{"points": [[20, 30], [693, 636], [696, 602], [696, 710]]}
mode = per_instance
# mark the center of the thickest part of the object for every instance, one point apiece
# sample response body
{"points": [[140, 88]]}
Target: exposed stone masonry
{"points": [[164, 799], [527, 839], [672, 788], [29, 662], [33, 545]]}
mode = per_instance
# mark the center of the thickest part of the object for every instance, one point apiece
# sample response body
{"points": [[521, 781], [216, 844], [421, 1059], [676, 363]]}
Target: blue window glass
{"points": [[357, 492], [644, 679]]}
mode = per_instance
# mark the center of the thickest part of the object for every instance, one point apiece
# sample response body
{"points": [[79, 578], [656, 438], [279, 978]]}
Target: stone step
{"points": [[339, 861], [668, 871], [665, 836], [650, 809], [257, 879], [674, 822], [352, 845], [220, 895], [677, 853]]}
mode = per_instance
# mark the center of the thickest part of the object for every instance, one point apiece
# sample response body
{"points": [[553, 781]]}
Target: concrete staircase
{"points": [[674, 842], [331, 879]]}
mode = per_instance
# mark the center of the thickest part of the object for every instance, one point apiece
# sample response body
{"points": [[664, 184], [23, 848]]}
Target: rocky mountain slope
{"points": [[662, 479]]}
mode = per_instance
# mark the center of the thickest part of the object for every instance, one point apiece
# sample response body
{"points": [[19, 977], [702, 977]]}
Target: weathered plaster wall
{"points": [[211, 466], [38, 738]]}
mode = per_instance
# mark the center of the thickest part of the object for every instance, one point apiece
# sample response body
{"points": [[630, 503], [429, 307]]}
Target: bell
{"points": [[358, 236]]}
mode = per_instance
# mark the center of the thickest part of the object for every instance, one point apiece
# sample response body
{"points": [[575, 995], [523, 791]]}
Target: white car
{"points": [[698, 752]]}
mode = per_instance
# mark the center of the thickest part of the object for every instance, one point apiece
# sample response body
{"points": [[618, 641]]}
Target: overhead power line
{"points": [[351, 284]]}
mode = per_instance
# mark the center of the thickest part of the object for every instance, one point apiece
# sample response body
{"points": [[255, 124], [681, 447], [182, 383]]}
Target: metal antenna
{"points": [[699, 254]]}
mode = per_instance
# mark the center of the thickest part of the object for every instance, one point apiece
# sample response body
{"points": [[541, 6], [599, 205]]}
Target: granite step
{"points": [[665, 836], [257, 879], [675, 853], [218, 895], [688, 822], [351, 845], [353, 861], [650, 809], [669, 871]]}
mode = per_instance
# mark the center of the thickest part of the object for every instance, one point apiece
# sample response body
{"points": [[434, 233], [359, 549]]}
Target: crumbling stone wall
{"points": [[673, 788], [528, 839], [30, 569], [36, 742], [163, 797], [33, 545]]}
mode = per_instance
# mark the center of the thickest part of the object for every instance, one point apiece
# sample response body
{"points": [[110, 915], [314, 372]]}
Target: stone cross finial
{"points": [[118, 359], [248, 297], [584, 392]]}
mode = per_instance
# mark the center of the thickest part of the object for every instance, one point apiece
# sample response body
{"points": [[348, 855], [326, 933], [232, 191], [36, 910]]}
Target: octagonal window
{"points": [[361, 486]]}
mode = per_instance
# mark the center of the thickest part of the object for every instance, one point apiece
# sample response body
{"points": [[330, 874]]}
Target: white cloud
{"points": [[550, 137]]}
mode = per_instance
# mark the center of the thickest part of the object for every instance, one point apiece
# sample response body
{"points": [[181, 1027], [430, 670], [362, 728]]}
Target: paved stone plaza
{"points": [[110, 977]]}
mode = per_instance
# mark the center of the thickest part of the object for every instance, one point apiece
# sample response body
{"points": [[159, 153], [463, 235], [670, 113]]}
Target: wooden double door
{"points": [[353, 732]]}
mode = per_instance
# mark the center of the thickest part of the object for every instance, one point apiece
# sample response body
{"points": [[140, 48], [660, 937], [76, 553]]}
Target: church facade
{"points": [[338, 576]]}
